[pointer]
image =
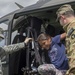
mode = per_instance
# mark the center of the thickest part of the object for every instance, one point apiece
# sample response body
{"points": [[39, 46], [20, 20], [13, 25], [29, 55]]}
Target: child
{"points": [[56, 53]]}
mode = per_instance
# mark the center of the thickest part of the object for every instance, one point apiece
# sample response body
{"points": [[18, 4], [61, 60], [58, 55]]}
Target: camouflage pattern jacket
{"points": [[70, 43], [8, 50]]}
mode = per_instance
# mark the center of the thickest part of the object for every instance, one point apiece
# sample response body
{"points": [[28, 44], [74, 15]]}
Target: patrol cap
{"points": [[63, 9]]}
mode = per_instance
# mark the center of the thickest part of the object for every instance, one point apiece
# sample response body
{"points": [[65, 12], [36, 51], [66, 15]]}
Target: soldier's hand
{"points": [[27, 40]]}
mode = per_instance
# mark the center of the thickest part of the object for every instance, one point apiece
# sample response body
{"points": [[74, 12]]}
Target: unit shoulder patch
{"points": [[72, 36]]}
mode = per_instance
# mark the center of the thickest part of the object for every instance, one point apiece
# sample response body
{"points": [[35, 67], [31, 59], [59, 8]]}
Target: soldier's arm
{"points": [[72, 40], [13, 48], [63, 36]]}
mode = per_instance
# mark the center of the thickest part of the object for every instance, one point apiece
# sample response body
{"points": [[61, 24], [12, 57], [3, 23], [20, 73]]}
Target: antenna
{"points": [[20, 6]]}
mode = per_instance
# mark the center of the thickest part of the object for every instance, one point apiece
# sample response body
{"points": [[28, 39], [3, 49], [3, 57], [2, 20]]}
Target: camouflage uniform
{"points": [[70, 46], [49, 69], [70, 38], [8, 50]]}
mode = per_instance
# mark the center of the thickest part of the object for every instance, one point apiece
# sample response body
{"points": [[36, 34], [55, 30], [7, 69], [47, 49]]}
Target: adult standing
{"points": [[66, 17]]}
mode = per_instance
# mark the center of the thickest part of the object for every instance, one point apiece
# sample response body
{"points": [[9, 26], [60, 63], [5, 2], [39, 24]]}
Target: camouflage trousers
{"points": [[49, 69], [71, 71]]}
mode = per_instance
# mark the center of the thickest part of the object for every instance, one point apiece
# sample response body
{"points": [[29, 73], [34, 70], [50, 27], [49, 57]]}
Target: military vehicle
{"points": [[32, 20]]}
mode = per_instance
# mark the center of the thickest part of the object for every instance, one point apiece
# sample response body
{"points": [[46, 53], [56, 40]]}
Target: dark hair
{"points": [[42, 36]]}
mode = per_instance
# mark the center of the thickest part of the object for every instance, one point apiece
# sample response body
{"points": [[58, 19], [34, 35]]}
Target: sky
{"points": [[7, 6]]}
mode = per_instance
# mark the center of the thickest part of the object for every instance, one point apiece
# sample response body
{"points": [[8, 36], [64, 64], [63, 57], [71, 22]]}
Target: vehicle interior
{"points": [[47, 17]]}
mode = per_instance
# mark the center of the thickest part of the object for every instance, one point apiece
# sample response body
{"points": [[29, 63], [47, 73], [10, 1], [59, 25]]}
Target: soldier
{"points": [[10, 49], [66, 17]]}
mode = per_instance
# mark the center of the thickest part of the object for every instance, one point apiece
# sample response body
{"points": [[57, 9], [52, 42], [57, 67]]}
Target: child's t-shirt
{"points": [[57, 54]]}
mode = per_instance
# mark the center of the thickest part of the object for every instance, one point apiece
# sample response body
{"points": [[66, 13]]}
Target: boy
{"points": [[56, 53]]}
